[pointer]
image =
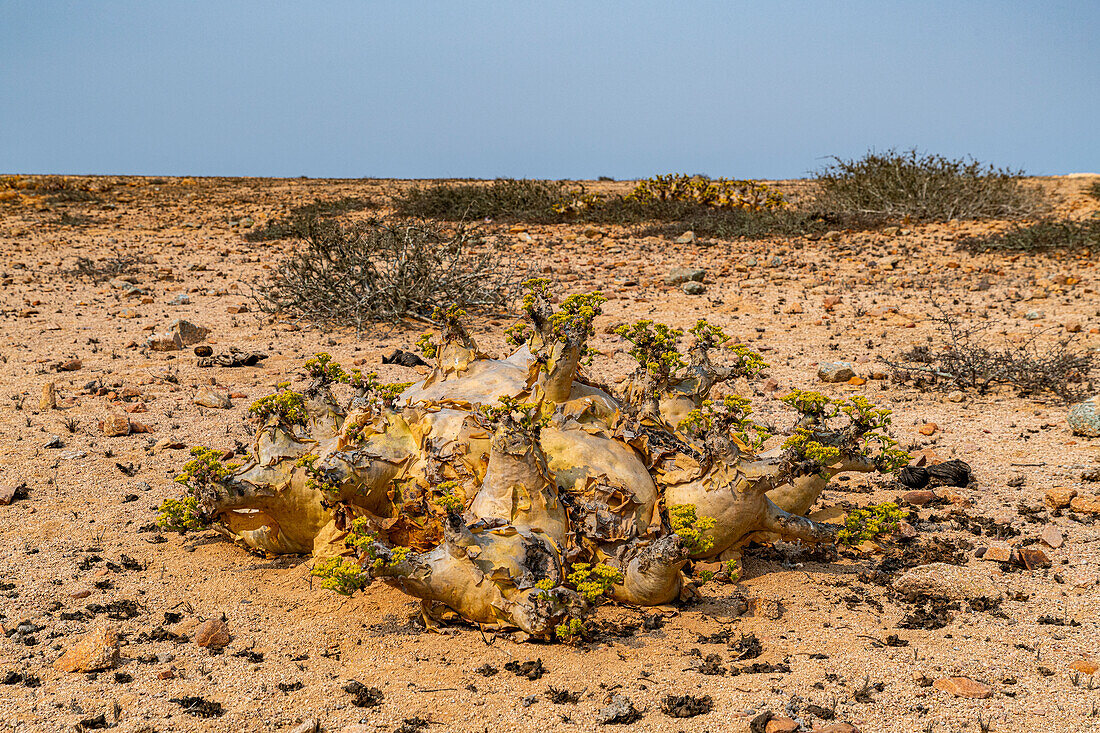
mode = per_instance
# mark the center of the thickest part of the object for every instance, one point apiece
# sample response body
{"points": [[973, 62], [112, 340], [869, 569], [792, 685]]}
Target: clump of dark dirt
{"points": [[531, 669], [930, 613], [562, 697], [199, 707], [686, 706], [363, 696]]}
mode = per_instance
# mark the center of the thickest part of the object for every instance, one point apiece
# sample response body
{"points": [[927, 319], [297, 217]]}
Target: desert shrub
{"points": [[713, 208], [1094, 190], [504, 198], [718, 193], [98, 270], [895, 185], [707, 223], [298, 222], [964, 360], [355, 275], [1048, 234]]}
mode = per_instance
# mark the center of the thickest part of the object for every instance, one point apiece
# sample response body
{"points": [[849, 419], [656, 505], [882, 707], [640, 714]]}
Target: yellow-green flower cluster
{"points": [[360, 537], [811, 404], [205, 467], [449, 500], [866, 524], [341, 575], [576, 314], [567, 631], [517, 334], [692, 529], [654, 346], [398, 555], [805, 446], [427, 346], [289, 407], [321, 366], [720, 193], [593, 581], [316, 479], [180, 515]]}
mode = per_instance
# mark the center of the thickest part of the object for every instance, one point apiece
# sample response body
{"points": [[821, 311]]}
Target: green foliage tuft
{"points": [[289, 407], [692, 529], [341, 575], [867, 524], [180, 515], [593, 581]]}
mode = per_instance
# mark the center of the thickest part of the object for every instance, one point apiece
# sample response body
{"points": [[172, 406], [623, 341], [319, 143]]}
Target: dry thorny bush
{"points": [[379, 272], [965, 360], [924, 187]]}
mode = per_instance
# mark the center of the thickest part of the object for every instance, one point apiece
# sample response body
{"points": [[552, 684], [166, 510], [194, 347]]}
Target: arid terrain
{"points": [[79, 548]]}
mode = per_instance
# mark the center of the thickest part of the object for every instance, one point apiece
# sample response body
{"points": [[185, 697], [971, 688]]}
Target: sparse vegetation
{"points": [[925, 187], [1048, 234], [302, 219], [356, 275], [504, 198], [965, 360]]}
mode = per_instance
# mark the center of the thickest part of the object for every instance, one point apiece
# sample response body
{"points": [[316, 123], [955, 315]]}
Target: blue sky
{"points": [[549, 89]]}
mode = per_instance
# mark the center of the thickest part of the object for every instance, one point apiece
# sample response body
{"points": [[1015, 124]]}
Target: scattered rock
{"points": [[948, 581], [1085, 505], [179, 334], [233, 358], [680, 275], [203, 351], [207, 397], [955, 396], [1032, 558], [838, 728], [12, 492], [769, 608], [834, 372], [48, 400], [97, 651], [687, 237], [950, 473], [1052, 536], [1059, 498], [620, 711], [929, 428], [964, 687], [794, 308], [781, 725], [997, 552], [1085, 666], [918, 498], [1084, 419], [693, 288], [404, 358], [213, 633], [116, 425], [308, 726]]}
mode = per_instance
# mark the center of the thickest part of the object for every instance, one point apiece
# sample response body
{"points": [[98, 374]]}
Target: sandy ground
{"points": [[62, 548]]}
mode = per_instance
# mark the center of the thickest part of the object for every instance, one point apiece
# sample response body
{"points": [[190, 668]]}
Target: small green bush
{"points": [[924, 187], [1045, 235]]}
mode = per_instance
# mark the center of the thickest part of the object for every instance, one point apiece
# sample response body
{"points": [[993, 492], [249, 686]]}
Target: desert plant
{"points": [[921, 186], [302, 219], [718, 193], [516, 494], [379, 272], [964, 359], [1047, 234], [870, 523], [504, 198]]}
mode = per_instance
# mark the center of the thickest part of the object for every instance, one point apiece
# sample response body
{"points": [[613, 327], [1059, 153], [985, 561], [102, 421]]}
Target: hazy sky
{"points": [[541, 89]]}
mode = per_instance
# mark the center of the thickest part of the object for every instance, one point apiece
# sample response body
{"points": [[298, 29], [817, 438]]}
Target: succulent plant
{"points": [[517, 493]]}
